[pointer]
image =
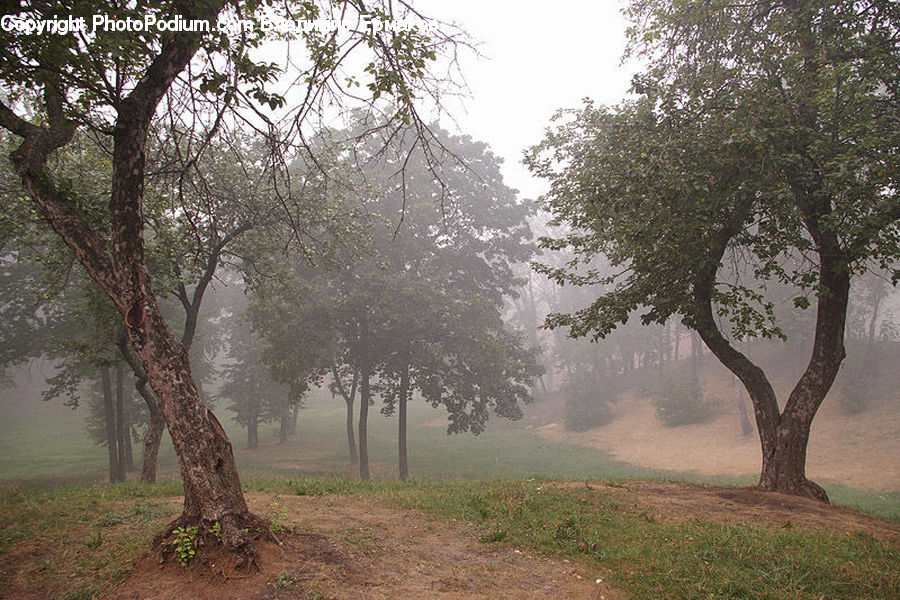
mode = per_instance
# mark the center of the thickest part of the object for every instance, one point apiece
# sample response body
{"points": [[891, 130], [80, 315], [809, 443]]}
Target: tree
{"points": [[112, 85], [414, 301], [256, 397], [761, 135]]}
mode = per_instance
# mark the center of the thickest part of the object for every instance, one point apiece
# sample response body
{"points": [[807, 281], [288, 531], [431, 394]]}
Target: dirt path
{"points": [[353, 548]]}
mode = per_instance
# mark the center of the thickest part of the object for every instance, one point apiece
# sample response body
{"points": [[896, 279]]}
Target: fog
{"points": [[376, 300], [647, 400]]}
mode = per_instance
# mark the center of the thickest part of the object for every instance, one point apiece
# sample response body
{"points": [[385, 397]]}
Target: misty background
{"points": [[278, 350]]}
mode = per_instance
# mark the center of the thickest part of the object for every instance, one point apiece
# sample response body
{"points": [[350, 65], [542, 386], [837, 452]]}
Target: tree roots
{"points": [[190, 539]]}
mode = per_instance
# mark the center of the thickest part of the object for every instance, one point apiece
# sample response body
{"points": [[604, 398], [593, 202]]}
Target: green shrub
{"points": [[678, 398], [588, 401]]}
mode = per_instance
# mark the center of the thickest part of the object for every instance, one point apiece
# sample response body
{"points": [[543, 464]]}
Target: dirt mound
{"points": [[355, 547], [346, 547], [680, 501]]}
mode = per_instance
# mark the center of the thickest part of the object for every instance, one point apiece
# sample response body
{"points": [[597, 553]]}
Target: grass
{"points": [[649, 559], [43, 445], [82, 541]]}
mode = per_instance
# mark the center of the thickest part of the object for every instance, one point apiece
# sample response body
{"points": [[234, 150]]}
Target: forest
{"points": [[269, 314]]}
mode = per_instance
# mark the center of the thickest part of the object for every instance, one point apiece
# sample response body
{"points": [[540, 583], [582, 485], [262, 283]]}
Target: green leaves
{"points": [[743, 143]]}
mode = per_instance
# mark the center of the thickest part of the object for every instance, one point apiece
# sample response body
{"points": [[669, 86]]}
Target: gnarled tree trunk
{"points": [[784, 435], [212, 489]]}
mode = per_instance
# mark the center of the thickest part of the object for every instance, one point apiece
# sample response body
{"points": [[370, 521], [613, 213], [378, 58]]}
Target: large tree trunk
{"points": [[786, 472], [109, 415], [212, 488], [152, 439], [401, 434], [784, 435]]}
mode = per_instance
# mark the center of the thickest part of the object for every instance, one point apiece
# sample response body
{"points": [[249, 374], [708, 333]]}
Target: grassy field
{"points": [[651, 559], [82, 537], [44, 445]]}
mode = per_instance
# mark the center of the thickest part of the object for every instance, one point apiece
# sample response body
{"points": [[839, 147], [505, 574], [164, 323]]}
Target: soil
{"points": [[349, 547], [676, 502], [862, 451], [345, 547]]}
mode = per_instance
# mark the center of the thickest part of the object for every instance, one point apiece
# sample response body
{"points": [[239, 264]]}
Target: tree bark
{"points": [[109, 414], [208, 470], [784, 435], [212, 489]]}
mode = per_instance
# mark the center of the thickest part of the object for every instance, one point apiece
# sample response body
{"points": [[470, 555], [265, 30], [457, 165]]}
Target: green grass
{"points": [[649, 559], [44, 445], [82, 541]]}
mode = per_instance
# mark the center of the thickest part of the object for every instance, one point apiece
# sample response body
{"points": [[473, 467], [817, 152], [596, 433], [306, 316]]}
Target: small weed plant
{"points": [[277, 516], [216, 530], [185, 544]]}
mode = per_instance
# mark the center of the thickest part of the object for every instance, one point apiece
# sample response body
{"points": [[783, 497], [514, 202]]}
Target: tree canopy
{"points": [[760, 146]]}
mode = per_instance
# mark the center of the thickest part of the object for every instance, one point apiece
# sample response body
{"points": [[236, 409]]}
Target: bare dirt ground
{"points": [[346, 547], [862, 451], [352, 548], [349, 548]]}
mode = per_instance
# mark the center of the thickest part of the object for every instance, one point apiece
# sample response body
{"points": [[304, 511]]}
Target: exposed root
{"points": [[803, 487], [205, 542]]}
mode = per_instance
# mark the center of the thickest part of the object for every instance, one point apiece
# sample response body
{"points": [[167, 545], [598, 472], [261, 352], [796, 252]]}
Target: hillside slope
{"points": [[861, 450]]}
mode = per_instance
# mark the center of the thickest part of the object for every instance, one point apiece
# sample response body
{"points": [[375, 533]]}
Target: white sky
{"points": [[539, 58]]}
